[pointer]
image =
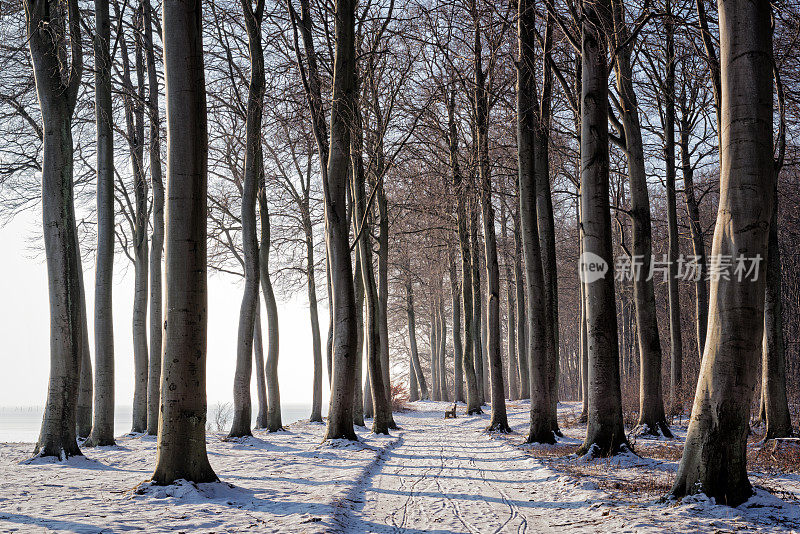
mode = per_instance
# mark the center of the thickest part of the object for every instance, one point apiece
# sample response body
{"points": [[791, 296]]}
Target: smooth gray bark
{"points": [[274, 422], [412, 334], [253, 176], [541, 424], [103, 424], [57, 95], [605, 433], [261, 382], [157, 238], [458, 348], [181, 449], [715, 456]]}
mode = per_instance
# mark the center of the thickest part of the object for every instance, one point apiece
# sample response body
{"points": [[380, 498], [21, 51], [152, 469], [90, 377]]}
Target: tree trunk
{"points": [[382, 409], [434, 345], [675, 335], [522, 315], [182, 426], [344, 345], [103, 426], [476, 302], [253, 179], [413, 388], [83, 416], [715, 456], [652, 419], [696, 230], [316, 343], [544, 214], [541, 424], [57, 98], [412, 334], [383, 282], [261, 384], [134, 118], [444, 395], [157, 239], [274, 423], [513, 364], [359, 404], [773, 367], [605, 433], [458, 349]]}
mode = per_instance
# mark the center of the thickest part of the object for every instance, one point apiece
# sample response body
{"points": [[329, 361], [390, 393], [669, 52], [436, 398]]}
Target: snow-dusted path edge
{"points": [[446, 476]]}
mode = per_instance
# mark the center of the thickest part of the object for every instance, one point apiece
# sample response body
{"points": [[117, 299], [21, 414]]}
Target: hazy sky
{"points": [[24, 328]]}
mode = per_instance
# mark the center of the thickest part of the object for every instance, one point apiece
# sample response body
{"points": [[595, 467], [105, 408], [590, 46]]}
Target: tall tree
{"points": [[343, 101], [157, 238], [605, 433], [181, 449], [652, 418], [103, 425], [715, 457], [253, 172], [48, 23], [541, 424]]}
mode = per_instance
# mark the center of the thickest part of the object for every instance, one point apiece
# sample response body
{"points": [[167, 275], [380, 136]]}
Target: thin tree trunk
{"points": [[696, 230], [261, 383], [412, 334], [181, 450], [522, 315], [605, 433], [83, 416], [715, 456], [316, 402], [359, 404], [544, 214], [652, 418], [541, 424], [476, 302], [383, 281], [253, 179], [274, 422], [458, 349], [103, 425], [344, 345], [444, 395], [773, 367], [413, 389], [513, 364], [676, 341], [157, 239], [382, 409]]}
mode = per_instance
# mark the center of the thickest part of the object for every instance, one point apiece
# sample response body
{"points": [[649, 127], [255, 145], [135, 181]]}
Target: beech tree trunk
{"points": [[444, 395], [412, 334], [460, 188], [181, 450], [157, 239], [103, 425], [57, 97], [715, 456], [696, 230], [675, 334], [605, 433], [344, 343], [316, 341], [383, 280], [477, 307], [541, 423], [458, 348], [253, 177], [274, 422], [382, 418], [522, 315], [83, 417], [359, 404], [773, 366], [652, 418], [261, 383]]}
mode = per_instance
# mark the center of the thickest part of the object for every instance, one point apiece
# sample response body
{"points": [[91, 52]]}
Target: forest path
{"points": [[451, 476]]}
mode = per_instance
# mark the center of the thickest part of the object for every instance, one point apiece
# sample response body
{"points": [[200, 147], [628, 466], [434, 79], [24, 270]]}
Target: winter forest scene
{"points": [[382, 266]]}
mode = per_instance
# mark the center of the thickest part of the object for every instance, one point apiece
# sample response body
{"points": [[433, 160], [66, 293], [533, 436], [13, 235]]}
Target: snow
{"points": [[433, 474]]}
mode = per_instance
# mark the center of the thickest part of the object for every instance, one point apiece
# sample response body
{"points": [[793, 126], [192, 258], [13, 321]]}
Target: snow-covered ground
{"points": [[432, 475]]}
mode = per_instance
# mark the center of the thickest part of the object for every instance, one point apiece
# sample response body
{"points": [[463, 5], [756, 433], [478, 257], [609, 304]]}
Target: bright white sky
{"points": [[24, 328]]}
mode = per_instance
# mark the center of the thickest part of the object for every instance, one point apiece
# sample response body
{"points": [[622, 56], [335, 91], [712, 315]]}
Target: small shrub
{"points": [[399, 398]]}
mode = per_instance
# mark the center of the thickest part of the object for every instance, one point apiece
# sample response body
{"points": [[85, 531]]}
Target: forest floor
{"points": [[433, 474]]}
